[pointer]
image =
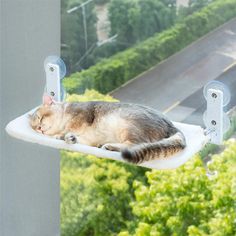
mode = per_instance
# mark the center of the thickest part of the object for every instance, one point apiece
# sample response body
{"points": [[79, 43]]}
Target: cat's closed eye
{"points": [[39, 118]]}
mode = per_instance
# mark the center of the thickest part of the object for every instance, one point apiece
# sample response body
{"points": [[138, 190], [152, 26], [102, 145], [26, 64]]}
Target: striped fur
{"points": [[151, 151]]}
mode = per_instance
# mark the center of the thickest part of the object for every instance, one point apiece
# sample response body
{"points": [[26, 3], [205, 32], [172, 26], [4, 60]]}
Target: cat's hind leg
{"points": [[116, 146]]}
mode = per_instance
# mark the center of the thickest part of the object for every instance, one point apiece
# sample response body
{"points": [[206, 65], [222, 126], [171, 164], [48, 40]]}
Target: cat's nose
{"points": [[39, 128]]}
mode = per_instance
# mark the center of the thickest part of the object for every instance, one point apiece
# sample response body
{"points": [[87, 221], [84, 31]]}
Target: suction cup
{"points": [[63, 93], [226, 121], [214, 84], [58, 61]]}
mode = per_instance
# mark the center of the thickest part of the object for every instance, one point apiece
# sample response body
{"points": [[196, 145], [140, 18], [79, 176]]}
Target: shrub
{"points": [[186, 201]]}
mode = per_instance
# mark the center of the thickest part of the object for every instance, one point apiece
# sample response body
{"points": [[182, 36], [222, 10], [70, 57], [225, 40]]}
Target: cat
{"points": [[140, 133]]}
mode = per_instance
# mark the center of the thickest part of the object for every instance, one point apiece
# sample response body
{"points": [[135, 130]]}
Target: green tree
{"points": [[186, 201], [136, 20], [95, 195]]}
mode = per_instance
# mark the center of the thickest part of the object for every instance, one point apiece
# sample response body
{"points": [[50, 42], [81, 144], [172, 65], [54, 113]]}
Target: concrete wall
{"points": [[29, 174]]}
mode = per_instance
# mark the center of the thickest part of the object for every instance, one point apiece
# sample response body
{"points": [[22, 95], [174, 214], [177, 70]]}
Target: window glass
{"points": [[158, 53]]}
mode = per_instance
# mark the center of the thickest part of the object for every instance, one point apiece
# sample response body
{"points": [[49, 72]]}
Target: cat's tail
{"points": [[151, 151]]}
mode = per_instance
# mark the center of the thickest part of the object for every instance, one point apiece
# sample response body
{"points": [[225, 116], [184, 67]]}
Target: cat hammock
{"points": [[196, 136]]}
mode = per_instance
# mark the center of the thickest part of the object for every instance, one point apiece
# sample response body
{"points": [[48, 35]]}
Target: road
{"points": [[175, 85]]}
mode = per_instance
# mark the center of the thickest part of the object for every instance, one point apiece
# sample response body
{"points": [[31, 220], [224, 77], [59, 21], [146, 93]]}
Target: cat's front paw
{"points": [[70, 138]]}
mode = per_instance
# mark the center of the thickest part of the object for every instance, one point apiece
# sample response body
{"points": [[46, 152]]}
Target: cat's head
{"points": [[47, 117]]}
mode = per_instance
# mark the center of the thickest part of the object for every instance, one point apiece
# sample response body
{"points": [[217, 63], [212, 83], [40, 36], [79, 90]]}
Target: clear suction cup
{"points": [[63, 93], [58, 61], [226, 121], [214, 84]]}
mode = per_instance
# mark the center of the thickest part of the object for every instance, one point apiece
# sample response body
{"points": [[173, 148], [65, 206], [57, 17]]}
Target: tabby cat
{"points": [[140, 133]]}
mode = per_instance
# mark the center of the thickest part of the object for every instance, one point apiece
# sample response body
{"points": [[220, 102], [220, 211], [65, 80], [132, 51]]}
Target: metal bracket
{"points": [[53, 85], [214, 116]]}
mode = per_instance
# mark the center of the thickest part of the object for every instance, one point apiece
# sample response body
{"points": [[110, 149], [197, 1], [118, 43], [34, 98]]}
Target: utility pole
{"points": [[85, 28], [84, 20]]}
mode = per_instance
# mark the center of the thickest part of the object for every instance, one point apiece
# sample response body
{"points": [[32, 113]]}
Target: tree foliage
{"points": [[113, 72], [136, 20], [95, 195], [186, 201]]}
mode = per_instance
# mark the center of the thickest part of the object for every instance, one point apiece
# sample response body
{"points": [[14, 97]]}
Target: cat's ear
{"points": [[47, 100]]}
